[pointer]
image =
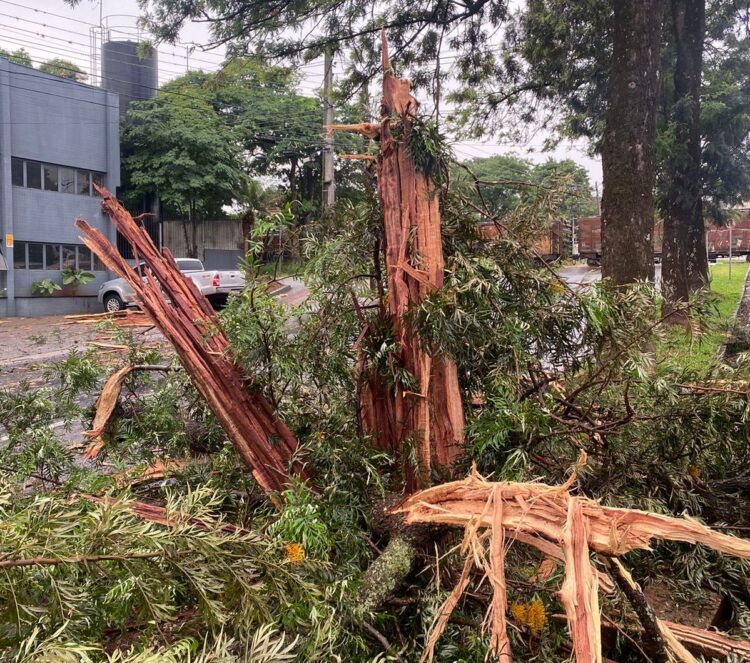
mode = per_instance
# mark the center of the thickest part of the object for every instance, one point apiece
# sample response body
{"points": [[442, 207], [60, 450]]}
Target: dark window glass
{"points": [[19, 255], [36, 256], [16, 169], [99, 266], [50, 177], [67, 180], [84, 182], [33, 175], [98, 179], [52, 253], [84, 258], [68, 256]]}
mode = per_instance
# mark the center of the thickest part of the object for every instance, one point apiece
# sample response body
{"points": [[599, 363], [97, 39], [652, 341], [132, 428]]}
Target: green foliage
{"points": [[178, 146], [76, 277], [19, 56], [507, 182], [63, 68], [45, 287]]}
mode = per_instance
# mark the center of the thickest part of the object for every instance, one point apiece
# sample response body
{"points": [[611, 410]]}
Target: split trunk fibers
{"points": [[423, 425], [188, 322]]}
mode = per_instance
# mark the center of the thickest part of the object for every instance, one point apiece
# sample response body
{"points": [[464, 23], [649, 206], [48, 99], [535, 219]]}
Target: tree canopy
{"points": [[19, 56], [63, 68]]}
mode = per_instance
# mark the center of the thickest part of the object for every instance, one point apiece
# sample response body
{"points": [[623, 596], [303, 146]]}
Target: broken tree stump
{"points": [[188, 322], [424, 425]]}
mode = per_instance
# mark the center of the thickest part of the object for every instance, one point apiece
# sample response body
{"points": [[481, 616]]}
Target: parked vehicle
{"points": [[115, 295]]}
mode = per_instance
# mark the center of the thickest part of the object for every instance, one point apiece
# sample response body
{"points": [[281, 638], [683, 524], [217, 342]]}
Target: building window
{"points": [[19, 255], [16, 169], [84, 258], [52, 256], [67, 180], [84, 182], [33, 175], [51, 178], [36, 256], [68, 256]]}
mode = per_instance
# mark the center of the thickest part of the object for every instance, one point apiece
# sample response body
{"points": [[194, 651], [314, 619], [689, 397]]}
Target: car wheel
{"points": [[113, 303]]}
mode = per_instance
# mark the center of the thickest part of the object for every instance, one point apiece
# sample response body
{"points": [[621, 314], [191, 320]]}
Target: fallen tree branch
{"points": [[539, 512], [83, 559], [188, 322]]}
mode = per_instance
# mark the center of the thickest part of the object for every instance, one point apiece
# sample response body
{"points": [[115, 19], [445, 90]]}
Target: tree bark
{"points": [[424, 423], [628, 159], [685, 266]]}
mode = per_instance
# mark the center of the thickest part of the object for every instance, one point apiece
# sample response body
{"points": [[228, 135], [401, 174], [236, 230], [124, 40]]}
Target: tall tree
{"points": [[628, 148], [685, 268], [177, 147]]}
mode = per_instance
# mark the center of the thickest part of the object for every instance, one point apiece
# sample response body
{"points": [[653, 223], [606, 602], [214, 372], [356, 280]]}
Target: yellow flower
{"points": [[694, 471], [295, 553], [532, 615]]}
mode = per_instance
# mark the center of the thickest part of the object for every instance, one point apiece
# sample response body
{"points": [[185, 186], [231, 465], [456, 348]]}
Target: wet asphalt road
{"points": [[581, 275]]}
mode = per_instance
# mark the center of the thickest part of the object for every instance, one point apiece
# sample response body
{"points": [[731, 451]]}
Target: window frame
{"points": [[28, 256], [16, 255]]}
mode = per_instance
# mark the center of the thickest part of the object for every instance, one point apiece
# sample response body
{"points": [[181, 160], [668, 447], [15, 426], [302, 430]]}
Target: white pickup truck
{"points": [[117, 294]]}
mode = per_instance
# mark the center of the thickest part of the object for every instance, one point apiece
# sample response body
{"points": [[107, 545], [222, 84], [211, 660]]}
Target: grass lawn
{"points": [[697, 353]]}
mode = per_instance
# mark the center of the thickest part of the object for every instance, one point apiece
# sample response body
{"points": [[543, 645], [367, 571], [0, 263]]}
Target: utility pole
{"points": [[329, 184]]}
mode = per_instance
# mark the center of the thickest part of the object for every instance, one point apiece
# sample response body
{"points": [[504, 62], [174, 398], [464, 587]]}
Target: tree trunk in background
{"points": [[628, 160], [685, 267]]}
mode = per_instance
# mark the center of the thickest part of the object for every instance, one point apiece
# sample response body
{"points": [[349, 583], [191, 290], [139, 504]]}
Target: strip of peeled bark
{"points": [[105, 407], [429, 418], [499, 641], [580, 591], [187, 321]]}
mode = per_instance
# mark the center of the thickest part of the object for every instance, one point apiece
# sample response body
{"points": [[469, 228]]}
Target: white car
{"points": [[115, 295]]}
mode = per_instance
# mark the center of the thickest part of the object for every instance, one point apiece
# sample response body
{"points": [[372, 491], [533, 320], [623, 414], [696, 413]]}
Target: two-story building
{"points": [[57, 139]]}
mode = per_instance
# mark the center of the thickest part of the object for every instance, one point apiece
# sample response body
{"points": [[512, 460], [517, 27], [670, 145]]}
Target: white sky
{"points": [[50, 28]]}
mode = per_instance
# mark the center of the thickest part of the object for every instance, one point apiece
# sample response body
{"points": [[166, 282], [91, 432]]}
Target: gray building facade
{"points": [[57, 138]]}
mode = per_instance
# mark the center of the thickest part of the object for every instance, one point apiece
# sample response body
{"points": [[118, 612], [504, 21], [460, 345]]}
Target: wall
{"points": [[217, 234], [56, 121]]}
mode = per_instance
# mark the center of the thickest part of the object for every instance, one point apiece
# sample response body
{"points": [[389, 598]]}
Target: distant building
{"points": [[57, 138]]}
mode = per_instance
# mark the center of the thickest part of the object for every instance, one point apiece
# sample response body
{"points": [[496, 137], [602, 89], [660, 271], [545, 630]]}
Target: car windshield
{"points": [[190, 265], [184, 266]]}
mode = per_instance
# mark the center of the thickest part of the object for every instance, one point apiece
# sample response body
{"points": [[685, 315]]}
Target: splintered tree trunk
{"points": [[187, 321], [685, 267], [628, 146], [423, 424]]}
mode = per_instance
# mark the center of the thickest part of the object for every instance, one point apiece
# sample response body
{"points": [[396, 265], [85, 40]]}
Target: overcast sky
{"points": [[50, 28]]}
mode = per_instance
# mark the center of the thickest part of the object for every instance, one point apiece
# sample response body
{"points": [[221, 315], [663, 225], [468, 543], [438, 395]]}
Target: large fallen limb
{"points": [[541, 510], [534, 512], [186, 319]]}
